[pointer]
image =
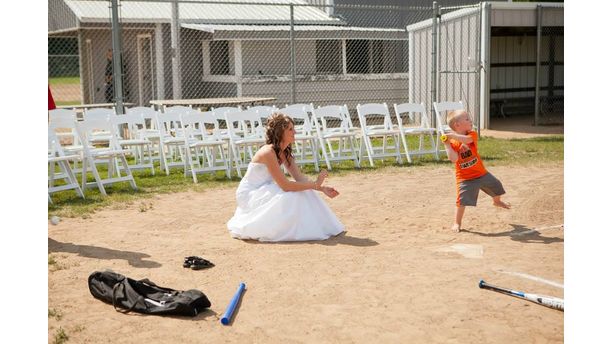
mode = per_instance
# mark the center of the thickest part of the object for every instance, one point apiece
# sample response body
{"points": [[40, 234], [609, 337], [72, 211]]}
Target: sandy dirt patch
{"points": [[397, 275]]}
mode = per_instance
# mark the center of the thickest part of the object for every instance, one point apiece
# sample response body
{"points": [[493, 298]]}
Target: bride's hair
{"points": [[276, 125]]}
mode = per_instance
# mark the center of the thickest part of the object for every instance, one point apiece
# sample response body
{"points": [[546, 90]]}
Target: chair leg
{"points": [[94, 170], [369, 149], [191, 163], [355, 158], [71, 178], [398, 153], [323, 150], [433, 144], [128, 172], [406, 147]]}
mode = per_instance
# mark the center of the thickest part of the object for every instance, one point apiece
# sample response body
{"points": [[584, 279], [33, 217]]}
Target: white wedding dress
{"points": [[267, 213]]}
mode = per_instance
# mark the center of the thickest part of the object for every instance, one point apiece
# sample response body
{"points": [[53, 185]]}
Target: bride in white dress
{"points": [[273, 208]]}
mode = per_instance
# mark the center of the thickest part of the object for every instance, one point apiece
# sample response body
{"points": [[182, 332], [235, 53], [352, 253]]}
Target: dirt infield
{"points": [[398, 275], [66, 93]]}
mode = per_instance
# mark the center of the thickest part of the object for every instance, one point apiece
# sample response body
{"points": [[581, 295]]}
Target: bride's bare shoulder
{"points": [[264, 153]]}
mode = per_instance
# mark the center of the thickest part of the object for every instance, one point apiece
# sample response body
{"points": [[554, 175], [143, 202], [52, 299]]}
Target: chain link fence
{"points": [[459, 49], [549, 106], [527, 71], [298, 53], [315, 51]]}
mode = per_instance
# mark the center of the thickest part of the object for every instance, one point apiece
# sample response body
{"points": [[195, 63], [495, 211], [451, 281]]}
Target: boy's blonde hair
{"points": [[453, 116]]}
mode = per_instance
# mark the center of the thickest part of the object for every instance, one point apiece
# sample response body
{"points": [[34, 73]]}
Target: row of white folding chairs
{"points": [[420, 126], [312, 139], [122, 127], [314, 136], [89, 155], [241, 144]]}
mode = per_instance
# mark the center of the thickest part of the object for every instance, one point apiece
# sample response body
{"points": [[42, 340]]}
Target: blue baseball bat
{"points": [[229, 311]]}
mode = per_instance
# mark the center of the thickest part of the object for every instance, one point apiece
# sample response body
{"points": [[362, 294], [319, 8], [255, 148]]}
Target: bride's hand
{"points": [[322, 175], [329, 191]]}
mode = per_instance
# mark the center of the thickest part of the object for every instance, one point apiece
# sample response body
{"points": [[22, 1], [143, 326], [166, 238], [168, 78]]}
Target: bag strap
{"points": [[115, 288]]}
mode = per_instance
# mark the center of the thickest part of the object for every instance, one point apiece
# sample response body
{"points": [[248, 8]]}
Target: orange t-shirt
{"points": [[469, 165]]}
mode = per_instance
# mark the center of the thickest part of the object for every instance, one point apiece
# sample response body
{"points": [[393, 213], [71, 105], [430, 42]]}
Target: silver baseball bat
{"points": [[544, 300]]}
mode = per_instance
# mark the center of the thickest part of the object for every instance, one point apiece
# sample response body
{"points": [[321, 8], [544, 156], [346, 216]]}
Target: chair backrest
{"points": [[62, 118], [132, 122], [300, 113], [194, 122], [247, 120], [87, 132], [169, 122], [98, 114], [264, 111], [442, 109], [416, 112], [374, 111], [53, 144], [219, 113], [333, 113], [148, 114]]}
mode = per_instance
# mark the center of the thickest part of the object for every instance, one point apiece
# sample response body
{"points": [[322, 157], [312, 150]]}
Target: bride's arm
{"points": [[269, 158], [296, 173]]}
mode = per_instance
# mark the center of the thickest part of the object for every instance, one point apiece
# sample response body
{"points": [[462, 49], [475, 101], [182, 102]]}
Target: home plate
{"points": [[466, 250]]}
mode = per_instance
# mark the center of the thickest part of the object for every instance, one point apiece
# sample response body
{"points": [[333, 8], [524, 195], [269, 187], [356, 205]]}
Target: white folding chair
{"points": [[341, 133], [57, 156], [374, 129], [417, 123], [263, 112], [441, 109], [111, 152], [172, 137], [306, 137], [130, 124], [99, 113], [204, 150], [244, 144], [62, 121], [151, 131], [219, 116]]}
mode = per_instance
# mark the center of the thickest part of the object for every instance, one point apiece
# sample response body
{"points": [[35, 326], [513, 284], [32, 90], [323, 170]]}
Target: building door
{"points": [[146, 84]]}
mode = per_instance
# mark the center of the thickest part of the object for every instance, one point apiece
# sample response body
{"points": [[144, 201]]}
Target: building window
{"points": [[219, 58], [376, 56], [329, 57], [357, 56]]}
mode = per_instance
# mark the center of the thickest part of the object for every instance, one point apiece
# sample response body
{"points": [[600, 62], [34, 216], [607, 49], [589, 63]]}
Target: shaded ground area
{"points": [[515, 127]]}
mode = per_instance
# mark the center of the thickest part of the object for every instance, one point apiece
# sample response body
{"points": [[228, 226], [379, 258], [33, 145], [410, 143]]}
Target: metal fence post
{"points": [[175, 35], [292, 39], [538, 61], [485, 68], [434, 53], [117, 67]]}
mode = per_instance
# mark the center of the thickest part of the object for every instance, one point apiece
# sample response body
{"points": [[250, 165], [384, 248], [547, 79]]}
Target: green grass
{"points": [[69, 102], [65, 80], [60, 336], [495, 152], [53, 313]]}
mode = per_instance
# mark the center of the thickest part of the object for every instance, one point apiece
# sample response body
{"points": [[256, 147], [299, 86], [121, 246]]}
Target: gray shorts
{"points": [[467, 190]]}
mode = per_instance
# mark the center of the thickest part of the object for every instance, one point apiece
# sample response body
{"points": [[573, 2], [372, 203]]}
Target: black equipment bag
{"points": [[144, 296]]}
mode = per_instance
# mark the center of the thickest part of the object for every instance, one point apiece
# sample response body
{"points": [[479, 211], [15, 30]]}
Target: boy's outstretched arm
{"points": [[450, 152], [460, 138]]}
